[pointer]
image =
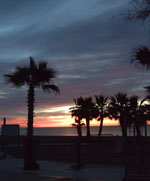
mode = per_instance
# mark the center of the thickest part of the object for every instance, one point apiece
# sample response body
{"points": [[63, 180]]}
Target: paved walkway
{"points": [[11, 170]]}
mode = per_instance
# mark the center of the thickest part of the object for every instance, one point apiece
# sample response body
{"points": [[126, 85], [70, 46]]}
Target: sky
{"points": [[89, 44]]}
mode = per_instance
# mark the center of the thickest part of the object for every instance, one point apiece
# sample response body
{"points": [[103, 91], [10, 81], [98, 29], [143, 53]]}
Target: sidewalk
{"points": [[11, 169]]}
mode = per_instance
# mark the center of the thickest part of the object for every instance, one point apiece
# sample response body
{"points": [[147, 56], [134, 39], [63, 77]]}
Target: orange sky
{"points": [[54, 117]]}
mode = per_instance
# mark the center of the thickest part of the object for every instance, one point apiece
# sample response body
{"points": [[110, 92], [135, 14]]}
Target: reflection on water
{"points": [[71, 131]]}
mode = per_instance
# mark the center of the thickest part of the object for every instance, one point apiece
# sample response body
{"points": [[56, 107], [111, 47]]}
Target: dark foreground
{"points": [[130, 152], [107, 149]]}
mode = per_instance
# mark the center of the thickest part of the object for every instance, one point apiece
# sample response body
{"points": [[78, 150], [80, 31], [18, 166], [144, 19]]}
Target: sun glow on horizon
{"points": [[55, 117]]}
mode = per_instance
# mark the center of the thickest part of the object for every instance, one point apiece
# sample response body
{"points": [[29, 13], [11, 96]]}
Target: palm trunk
{"points": [[123, 127], [100, 127], [138, 128], [88, 127], [30, 102], [79, 129], [30, 152], [134, 129], [145, 128]]}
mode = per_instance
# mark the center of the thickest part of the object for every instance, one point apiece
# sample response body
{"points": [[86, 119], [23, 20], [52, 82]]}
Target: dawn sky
{"points": [[88, 42]]}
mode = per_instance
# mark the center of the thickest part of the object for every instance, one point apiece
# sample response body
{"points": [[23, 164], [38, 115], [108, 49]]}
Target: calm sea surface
{"points": [[71, 131]]}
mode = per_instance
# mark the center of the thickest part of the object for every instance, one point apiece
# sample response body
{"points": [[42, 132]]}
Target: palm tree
{"points": [[34, 76], [77, 113], [101, 104], [147, 107], [118, 109], [137, 113], [141, 57], [78, 124], [88, 110]]}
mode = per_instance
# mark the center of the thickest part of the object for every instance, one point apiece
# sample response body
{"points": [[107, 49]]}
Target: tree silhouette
{"points": [[140, 10], [34, 76], [118, 109], [101, 104], [137, 113], [147, 107], [141, 57], [87, 108], [77, 113]]}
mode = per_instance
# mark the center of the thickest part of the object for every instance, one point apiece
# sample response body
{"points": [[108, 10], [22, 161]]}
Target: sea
{"points": [[72, 131]]}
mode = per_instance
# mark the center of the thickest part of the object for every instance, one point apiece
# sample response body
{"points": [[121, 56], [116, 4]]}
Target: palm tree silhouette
{"points": [[34, 76], [77, 113], [137, 113], [141, 57], [101, 104], [118, 109], [87, 108], [147, 107], [78, 124]]}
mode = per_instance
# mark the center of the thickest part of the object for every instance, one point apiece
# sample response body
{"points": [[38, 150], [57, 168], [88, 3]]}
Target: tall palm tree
{"points": [[34, 76], [76, 112], [101, 104], [147, 107], [118, 109], [141, 57]]}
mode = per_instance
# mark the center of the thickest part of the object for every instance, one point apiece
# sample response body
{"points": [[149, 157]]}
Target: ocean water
{"points": [[72, 131]]}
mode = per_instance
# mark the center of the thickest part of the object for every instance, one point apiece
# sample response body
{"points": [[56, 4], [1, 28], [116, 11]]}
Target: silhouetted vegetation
{"points": [[140, 10], [141, 57], [34, 76], [131, 112], [118, 109], [85, 107], [102, 106], [76, 112]]}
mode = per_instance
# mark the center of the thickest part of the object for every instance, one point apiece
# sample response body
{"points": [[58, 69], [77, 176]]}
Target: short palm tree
{"points": [[34, 76], [118, 109], [88, 110], [76, 112], [101, 104]]}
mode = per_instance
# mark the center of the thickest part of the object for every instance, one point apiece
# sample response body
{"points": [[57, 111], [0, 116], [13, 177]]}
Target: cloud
{"points": [[85, 41]]}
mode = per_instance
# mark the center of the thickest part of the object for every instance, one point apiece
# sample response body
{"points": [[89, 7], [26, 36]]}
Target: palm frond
{"points": [[33, 66], [42, 66], [50, 87], [147, 89], [141, 57], [19, 77]]}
